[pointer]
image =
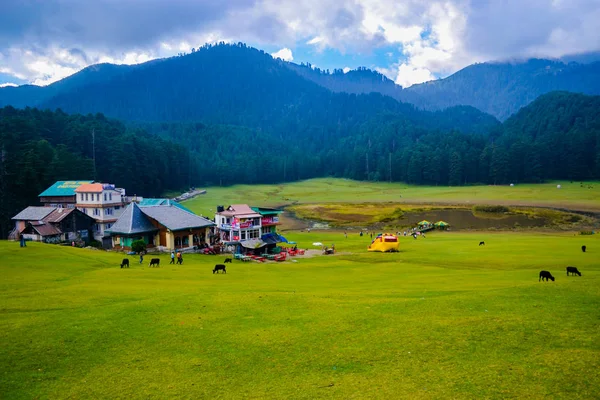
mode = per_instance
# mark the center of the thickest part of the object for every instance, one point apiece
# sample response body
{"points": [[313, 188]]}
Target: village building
{"points": [[103, 202], [61, 194], [251, 228], [53, 224], [163, 225]]}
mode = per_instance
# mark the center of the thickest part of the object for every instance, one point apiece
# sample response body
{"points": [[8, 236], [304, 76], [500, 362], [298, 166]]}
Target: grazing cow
{"points": [[154, 262], [583, 248], [573, 270], [125, 263], [219, 267], [228, 260], [482, 243], [546, 275]]}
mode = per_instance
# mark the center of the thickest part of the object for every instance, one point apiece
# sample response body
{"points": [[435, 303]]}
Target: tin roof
{"points": [[149, 202], [132, 221], [58, 214], [63, 188], [33, 213], [175, 218], [240, 210], [89, 187]]}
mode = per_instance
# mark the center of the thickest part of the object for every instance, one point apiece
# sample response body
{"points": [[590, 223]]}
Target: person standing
{"points": [[22, 240], [179, 258], [172, 257], [141, 257]]}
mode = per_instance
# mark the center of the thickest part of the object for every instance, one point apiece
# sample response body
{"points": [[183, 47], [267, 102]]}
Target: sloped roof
{"points": [[46, 229], [58, 215], [33, 213], [175, 218], [89, 187], [132, 221], [267, 210], [240, 210], [161, 202], [63, 188]]}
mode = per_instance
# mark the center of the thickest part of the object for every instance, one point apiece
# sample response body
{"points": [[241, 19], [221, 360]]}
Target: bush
{"points": [[138, 246], [491, 209], [586, 233], [96, 244]]}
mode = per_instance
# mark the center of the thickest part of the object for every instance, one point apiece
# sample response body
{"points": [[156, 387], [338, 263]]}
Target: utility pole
{"points": [[390, 164], [94, 151]]}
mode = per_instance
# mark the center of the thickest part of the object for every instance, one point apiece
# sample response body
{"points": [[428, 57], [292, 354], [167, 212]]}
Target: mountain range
{"points": [[227, 73]]}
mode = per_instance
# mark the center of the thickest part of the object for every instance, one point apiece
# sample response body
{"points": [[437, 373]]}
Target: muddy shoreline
{"points": [[460, 217]]}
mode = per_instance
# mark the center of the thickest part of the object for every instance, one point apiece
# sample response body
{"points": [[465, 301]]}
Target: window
{"points": [[86, 197], [117, 207], [253, 234], [104, 196], [243, 235], [97, 196], [97, 227], [96, 211], [107, 226], [110, 196], [108, 211]]}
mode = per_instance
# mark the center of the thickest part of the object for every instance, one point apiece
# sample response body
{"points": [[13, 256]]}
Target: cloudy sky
{"points": [[410, 41]]}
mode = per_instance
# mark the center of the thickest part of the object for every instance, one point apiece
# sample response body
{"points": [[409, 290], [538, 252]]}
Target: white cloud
{"points": [[409, 75], [346, 70], [434, 38], [285, 54], [7, 84]]}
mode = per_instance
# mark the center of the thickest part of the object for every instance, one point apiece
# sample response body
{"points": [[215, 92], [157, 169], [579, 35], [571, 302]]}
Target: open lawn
{"points": [[574, 195], [444, 318]]}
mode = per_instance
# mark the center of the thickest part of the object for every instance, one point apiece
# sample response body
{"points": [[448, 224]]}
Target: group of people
{"points": [[179, 258]]}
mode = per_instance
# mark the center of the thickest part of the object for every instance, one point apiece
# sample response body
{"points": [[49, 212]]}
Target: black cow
{"points": [[573, 270], [219, 267], [583, 248], [228, 260], [482, 243], [546, 275], [125, 263], [155, 262]]}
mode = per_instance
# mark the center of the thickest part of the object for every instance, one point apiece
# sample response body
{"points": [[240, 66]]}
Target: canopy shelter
{"points": [[424, 222], [253, 243], [441, 224], [271, 238]]}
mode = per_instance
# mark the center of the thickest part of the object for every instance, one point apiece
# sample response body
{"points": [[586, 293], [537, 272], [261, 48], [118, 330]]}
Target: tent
{"points": [[441, 224], [424, 222], [385, 242]]}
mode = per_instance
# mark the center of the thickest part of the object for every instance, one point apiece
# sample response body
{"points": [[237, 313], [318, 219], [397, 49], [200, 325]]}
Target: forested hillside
{"points": [[501, 89], [41, 147], [237, 84]]}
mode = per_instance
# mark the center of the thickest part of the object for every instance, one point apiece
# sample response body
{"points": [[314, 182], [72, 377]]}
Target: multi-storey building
{"points": [[239, 222], [61, 194], [103, 202]]}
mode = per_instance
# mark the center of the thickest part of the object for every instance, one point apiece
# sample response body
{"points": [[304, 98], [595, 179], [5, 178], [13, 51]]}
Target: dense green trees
{"points": [[40, 147]]}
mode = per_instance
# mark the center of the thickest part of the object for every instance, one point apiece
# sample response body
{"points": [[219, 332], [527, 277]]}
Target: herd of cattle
{"points": [[544, 275]]}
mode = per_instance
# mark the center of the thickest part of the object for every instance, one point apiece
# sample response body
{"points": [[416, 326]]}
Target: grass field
{"points": [[444, 318], [571, 195]]}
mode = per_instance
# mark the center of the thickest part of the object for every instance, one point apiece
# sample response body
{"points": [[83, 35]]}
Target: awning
{"points": [[271, 238], [253, 243]]}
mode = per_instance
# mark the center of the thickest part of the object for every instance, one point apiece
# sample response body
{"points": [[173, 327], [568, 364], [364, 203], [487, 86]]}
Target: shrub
{"points": [[586, 233], [138, 246], [96, 244], [491, 209]]}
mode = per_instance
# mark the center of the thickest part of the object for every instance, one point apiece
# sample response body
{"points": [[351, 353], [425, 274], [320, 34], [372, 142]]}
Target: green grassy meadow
{"points": [[326, 190], [443, 318]]}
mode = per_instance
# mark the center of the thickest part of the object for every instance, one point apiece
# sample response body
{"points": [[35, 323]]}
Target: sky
{"points": [[410, 41]]}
